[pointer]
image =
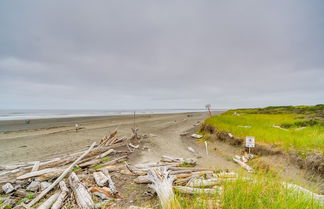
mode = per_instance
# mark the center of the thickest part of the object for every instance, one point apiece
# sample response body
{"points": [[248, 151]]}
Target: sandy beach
{"points": [[47, 138]]}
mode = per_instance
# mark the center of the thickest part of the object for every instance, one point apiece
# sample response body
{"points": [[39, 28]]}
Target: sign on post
{"points": [[249, 141]]}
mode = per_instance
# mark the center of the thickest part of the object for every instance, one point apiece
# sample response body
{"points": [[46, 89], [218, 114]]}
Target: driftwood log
{"points": [[190, 190], [37, 173], [61, 198], [49, 202], [243, 165], [82, 196], [110, 182], [100, 178], [36, 166]]}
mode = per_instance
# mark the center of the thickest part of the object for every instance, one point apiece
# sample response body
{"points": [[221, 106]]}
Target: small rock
{"points": [[145, 136], [191, 149], [196, 136], [17, 187], [44, 185], [34, 186], [7, 188], [184, 134], [20, 193]]}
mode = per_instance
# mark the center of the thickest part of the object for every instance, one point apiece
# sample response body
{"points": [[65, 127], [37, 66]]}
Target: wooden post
{"points": [[134, 120]]}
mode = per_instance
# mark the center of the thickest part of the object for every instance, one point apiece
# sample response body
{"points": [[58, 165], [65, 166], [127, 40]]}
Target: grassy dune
{"points": [[291, 127], [259, 193]]}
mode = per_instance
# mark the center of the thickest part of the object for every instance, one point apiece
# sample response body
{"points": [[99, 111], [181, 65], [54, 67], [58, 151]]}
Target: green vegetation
{"points": [[75, 168], [97, 167], [261, 192], [186, 165], [105, 159], [297, 127], [30, 196]]}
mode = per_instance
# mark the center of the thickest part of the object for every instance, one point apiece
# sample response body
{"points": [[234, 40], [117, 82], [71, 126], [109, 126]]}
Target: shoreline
{"points": [[44, 123]]}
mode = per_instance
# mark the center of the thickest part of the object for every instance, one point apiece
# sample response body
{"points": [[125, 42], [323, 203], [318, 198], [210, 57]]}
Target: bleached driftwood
{"points": [[61, 198], [134, 146], [196, 136], [180, 172], [110, 182], [227, 175], [188, 168], [146, 179], [183, 181], [191, 149], [89, 163], [203, 182], [158, 164], [49, 202], [190, 190], [35, 167], [243, 165], [143, 180], [114, 161], [108, 139], [279, 127], [51, 175], [298, 189], [37, 173], [82, 196], [43, 193], [106, 153], [93, 152], [100, 178], [191, 161], [162, 185]]}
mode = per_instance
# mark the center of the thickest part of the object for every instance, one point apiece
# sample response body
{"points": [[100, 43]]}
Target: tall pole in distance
{"points": [[208, 108], [134, 120]]}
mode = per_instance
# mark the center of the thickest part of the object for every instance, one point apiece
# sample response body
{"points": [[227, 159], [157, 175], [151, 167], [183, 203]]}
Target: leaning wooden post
{"points": [[43, 193]]}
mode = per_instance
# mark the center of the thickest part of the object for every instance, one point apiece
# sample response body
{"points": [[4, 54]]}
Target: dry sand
{"points": [[47, 138]]}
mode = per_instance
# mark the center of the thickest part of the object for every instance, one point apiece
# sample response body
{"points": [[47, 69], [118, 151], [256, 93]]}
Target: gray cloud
{"points": [[160, 54]]}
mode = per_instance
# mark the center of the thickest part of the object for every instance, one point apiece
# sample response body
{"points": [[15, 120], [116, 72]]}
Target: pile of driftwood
{"points": [[67, 182], [180, 175]]}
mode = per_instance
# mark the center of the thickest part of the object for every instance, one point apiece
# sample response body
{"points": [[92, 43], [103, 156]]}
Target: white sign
{"points": [[249, 141]]}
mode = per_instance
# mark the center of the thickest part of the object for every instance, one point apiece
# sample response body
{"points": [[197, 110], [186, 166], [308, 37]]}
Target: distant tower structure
{"points": [[208, 106]]}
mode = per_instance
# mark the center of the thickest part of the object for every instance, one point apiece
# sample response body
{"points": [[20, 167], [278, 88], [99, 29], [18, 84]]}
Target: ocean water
{"points": [[41, 114]]}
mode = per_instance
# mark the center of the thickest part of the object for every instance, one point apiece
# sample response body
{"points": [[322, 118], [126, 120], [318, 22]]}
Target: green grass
{"points": [[75, 168], [97, 167], [30, 196], [262, 192], [105, 159], [186, 165], [261, 121]]}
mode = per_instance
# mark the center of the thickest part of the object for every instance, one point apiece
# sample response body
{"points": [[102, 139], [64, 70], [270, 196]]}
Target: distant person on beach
{"points": [[76, 127]]}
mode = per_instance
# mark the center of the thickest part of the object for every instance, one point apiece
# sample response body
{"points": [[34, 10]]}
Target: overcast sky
{"points": [[160, 54]]}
